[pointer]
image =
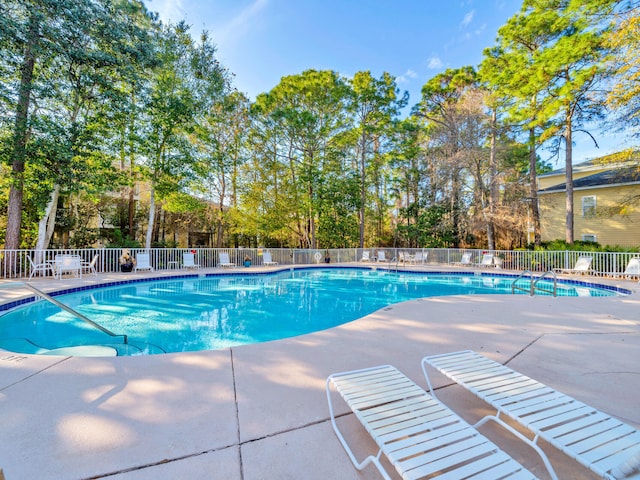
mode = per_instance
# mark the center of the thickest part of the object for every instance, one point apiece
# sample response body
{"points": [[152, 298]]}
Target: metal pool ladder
{"points": [[533, 283]]}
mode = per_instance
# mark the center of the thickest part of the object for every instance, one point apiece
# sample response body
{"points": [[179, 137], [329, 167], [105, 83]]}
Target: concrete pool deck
{"points": [[260, 411]]}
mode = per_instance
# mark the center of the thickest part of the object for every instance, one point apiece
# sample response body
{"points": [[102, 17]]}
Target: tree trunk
{"points": [[363, 190], [533, 189], [569, 180], [493, 182], [152, 216], [47, 223], [14, 212]]}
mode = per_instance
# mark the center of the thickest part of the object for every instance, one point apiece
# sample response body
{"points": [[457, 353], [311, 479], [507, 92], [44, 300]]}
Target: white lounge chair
{"points": [[419, 258], [42, 267], [90, 266], [418, 434], [365, 256], [601, 443], [583, 265], [267, 260], [632, 270], [224, 261], [465, 260], [487, 261], [188, 261], [142, 262], [381, 256]]}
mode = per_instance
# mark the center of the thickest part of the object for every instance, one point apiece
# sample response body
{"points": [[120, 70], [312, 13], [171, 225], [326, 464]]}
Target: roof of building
{"points": [[613, 161], [615, 176]]}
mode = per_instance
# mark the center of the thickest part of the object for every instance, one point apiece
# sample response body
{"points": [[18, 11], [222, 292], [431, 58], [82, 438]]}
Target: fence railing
{"points": [[16, 263]]}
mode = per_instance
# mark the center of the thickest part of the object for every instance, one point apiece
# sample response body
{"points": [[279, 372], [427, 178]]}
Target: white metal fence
{"points": [[15, 264]]}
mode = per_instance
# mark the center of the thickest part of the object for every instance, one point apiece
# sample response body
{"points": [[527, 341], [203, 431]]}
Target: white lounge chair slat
{"points": [[539, 396], [606, 464], [548, 419], [607, 443], [423, 440], [437, 426], [414, 430], [496, 466], [423, 410], [593, 438], [448, 457], [575, 426]]}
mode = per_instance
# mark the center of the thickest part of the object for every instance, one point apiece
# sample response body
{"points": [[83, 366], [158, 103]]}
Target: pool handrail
{"points": [[70, 310]]}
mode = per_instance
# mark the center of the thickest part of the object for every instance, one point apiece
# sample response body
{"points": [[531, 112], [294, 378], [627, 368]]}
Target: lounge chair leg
{"points": [[531, 443], [359, 465]]}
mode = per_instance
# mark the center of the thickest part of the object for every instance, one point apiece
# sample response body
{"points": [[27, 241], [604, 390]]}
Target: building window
{"points": [[589, 206], [589, 238]]}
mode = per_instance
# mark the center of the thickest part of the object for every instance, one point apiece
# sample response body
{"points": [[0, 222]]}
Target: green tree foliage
{"points": [[65, 55]]}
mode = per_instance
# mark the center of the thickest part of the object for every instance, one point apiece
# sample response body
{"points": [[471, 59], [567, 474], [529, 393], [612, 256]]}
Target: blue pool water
{"points": [[189, 314]]}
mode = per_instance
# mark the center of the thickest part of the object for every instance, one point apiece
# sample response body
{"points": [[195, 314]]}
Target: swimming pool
{"points": [[206, 313]]}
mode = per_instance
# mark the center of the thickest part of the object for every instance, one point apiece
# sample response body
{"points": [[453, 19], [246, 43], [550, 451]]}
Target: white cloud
{"points": [[407, 76], [242, 20], [468, 18], [169, 10], [434, 63]]}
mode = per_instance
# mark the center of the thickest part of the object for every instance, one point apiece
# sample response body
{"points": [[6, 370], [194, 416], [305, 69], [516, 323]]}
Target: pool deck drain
{"points": [[259, 411]]}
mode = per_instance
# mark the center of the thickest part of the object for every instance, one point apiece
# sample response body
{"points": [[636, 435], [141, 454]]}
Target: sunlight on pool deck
{"points": [[260, 412]]}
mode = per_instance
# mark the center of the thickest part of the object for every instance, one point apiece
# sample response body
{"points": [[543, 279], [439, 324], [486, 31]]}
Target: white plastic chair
{"points": [[188, 261], [465, 260], [583, 265], [381, 256], [40, 267], [487, 260], [90, 266], [267, 260], [142, 262], [365, 256], [224, 260]]}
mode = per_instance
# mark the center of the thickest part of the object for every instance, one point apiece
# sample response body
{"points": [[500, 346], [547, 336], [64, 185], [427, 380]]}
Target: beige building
{"points": [[606, 203]]}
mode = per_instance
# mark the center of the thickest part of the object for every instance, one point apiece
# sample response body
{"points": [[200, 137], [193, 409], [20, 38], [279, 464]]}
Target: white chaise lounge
{"points": [[267, 261], [605, 445], [142, 262], [189, 261], [487, 261], [583, 265], [224, 261], [465, 260], [420, 436]]}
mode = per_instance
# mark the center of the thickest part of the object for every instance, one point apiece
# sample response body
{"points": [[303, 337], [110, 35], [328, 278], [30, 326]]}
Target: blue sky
{"points": [[260, 41]]}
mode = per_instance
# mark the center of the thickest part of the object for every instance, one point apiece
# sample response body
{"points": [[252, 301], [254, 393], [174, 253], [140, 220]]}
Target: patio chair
{"points": [[487, 261], [381, 256], [418, 434], [603, 444], [142, 262], [267, 260], [582, 266], [224, 261], [42, 267], [188, 261], [419, 258], [632, 270], [365, 256], [90, 266], [465, 260]]}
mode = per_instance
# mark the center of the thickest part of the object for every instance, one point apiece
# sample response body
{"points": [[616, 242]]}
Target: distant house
{"points": [[606, 198]]}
